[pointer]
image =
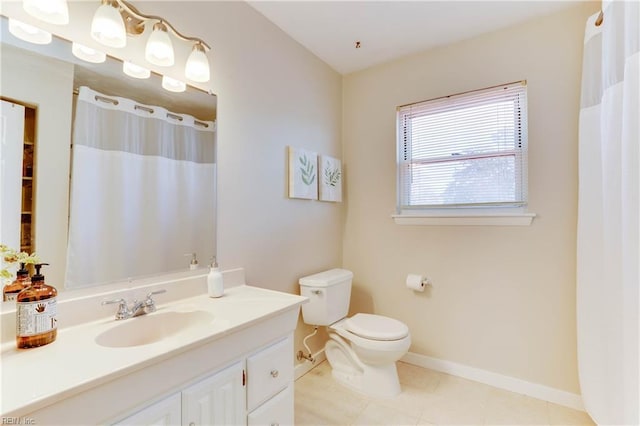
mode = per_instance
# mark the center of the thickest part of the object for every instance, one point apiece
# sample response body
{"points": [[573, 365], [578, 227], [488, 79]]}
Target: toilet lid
{"points": [[376, 327]]}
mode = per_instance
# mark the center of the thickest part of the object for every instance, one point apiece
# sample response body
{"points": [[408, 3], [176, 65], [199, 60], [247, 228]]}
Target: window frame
{"points": [[503, 213]]}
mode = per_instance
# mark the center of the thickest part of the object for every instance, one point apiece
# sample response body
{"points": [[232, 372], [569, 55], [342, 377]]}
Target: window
{"points": [[465, 152]]}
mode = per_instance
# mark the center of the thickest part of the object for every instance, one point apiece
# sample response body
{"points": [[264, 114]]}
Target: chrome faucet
{"points": [[138, 308]]}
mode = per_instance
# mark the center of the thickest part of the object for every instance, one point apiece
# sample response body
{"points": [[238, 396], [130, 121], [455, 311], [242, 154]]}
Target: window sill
{"points": [[517, 219]]}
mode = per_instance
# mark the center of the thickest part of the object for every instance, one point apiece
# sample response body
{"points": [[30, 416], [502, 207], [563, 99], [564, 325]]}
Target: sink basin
{"points": [[152, 328]]}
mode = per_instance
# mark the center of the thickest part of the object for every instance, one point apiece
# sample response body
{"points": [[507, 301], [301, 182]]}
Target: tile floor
{"points": [[428, 398]]}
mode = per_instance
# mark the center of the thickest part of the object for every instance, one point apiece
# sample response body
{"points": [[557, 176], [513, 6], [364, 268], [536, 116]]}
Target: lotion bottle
{"points": [[215, 285], [36, 311]]}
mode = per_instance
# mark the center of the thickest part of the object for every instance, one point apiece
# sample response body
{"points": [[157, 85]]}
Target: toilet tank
{"points": [[329, 293]]}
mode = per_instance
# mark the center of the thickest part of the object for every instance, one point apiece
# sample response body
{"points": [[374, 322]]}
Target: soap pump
{"points": [[36, 312], [215, 285], [194, 261]]}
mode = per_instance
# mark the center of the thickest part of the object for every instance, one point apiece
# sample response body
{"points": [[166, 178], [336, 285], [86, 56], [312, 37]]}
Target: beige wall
{"points": [[503, 298], [272, 93]]}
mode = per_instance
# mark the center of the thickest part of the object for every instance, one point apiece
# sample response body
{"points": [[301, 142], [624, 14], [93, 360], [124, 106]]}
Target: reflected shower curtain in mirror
{"points": [[141, 183], [609, 217]]}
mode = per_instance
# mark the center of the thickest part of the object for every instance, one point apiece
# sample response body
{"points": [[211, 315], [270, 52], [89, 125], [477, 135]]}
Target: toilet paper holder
{"points": [[417, 282]]}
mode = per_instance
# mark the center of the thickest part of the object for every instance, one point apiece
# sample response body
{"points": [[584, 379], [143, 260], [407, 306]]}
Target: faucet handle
{"points": [[149, 303], [123, 311]]}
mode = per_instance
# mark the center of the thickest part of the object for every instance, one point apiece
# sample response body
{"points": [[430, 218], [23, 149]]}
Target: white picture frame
{"points": [[303, 174], [330, 178]]}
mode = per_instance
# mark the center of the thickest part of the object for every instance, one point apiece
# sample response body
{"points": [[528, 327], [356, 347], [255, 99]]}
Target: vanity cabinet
{"points": [[166, 412], [238, 365], [255, 390], [216, 400], [276, 411]]}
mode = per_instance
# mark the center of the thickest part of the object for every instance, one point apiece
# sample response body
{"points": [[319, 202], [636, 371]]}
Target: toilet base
{"points": [[372, 380], [380, 384]]}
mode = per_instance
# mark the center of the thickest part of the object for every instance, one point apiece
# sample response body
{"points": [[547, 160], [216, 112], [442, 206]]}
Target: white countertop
{"points": [[33, 378]]}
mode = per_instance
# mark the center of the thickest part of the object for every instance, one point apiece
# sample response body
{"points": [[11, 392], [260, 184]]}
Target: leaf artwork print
{"points": [[331, 175], [304, 173], [308, 170], [329, 178]]}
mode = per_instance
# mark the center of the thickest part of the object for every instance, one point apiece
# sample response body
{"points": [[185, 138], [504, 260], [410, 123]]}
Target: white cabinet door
{"points": [[278, 411], [162, 413], [216, 400]]}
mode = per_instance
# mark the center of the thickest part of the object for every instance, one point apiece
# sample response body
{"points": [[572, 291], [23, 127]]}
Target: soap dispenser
{"points": [[36, 311], [194, 261], [22, 281], [215, 285]]}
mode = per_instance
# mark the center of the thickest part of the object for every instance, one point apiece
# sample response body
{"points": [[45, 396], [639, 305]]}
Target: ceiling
{"points": [[389, 29]]}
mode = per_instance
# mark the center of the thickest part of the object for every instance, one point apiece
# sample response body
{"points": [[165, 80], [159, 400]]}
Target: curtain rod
{"points": [[144, 108]]}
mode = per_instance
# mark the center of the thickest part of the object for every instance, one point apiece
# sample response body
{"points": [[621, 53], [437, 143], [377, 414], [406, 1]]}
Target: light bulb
{"points": [[134, 70], [28, 32], [173, 85], [107, 26], [51, 11], [197, 67], [87, 53], [159, 49]]}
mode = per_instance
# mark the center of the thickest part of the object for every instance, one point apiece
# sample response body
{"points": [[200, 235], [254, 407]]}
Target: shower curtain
{"points": [[142, 190], [608, 257]]}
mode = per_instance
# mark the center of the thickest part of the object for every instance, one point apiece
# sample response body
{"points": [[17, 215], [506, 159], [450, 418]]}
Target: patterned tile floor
{"points": [[428, 398]]}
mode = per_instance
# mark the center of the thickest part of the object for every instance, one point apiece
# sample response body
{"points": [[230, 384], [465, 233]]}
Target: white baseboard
{"points": [[511, 384], [304, 367]]}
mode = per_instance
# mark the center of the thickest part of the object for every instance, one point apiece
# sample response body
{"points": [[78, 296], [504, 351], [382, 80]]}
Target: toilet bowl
{"points": [[364, 361], [363, 349]]}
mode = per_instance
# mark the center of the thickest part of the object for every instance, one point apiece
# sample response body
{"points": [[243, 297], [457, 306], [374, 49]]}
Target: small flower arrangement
{"points": [[10, 256]]}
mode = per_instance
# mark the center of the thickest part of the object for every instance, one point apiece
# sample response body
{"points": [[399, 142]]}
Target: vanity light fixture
{"points": [[135, 71], [197, 67], [28, 32], [87, 53], [173, 85], [51, 11], [159, 49], [107, 26]]}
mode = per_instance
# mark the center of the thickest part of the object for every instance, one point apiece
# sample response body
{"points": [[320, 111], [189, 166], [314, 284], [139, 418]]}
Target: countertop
{"points": [[33, 378]]}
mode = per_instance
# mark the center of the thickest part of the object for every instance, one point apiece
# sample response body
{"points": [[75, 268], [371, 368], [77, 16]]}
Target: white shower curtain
{"points": [[609, 217], [142, 190]]}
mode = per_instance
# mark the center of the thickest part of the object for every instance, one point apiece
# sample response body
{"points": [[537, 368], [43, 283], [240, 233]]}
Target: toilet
{"points": [[363, 349]]}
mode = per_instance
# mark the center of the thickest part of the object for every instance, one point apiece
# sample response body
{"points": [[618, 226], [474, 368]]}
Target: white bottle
{"points": [[215, 285]]}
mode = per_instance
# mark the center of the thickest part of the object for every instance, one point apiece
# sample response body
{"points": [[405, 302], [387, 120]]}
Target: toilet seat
{"points": [[376, 327]]}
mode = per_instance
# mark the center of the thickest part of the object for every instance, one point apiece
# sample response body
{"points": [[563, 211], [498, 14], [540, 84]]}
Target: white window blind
{"points": [[466, 150]]}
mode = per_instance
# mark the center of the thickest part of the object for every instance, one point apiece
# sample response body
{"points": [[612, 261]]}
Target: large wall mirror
{"points": [[46, 79]]}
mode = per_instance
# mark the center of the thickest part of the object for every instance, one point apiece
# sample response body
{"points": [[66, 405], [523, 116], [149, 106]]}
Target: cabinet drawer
{"points": [[278, 411], [268, 372]]}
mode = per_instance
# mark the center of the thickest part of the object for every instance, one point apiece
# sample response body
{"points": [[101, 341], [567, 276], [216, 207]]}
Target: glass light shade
{"points": [[87, 53], [28, 32], [173, 85], [107, 26], [159, 49], [51, 11], [135, 71], [197, 67]]}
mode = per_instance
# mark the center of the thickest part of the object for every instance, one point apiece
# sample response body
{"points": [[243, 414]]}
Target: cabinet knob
{"points": [[274, 373]]}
